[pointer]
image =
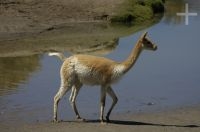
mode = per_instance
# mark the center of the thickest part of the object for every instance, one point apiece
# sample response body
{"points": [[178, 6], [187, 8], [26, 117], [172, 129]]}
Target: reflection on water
{"points": [[15, 71], [172, 7], [93, 38], [176, 6]]}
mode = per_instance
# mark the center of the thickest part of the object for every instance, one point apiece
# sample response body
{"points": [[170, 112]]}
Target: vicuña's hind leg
{"points": [[72, 99], [64, 88]]}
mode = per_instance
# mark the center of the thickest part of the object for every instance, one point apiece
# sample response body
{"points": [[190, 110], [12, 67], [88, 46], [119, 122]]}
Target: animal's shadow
{"points": [[120, 122], [135, 123]]}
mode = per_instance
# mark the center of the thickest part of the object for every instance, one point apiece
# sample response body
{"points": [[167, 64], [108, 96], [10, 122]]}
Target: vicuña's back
{"points": [[86, 69], [92, 70]]}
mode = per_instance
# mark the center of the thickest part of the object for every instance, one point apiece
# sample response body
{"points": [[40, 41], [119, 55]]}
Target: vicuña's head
{"points": [[147, 43]]}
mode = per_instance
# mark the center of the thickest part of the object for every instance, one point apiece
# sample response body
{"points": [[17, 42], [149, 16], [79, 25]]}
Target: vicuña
{"points": [[82, 69]]}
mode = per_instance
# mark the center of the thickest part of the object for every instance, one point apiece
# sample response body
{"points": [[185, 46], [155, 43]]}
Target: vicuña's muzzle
{"points": [[155, 47]]}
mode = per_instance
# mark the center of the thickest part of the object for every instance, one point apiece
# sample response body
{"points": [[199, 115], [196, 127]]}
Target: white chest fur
{"points": [[118, 71]]}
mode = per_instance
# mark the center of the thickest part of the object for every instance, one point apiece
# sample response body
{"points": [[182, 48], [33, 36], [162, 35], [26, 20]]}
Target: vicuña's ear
{"points": [[144, 35]]}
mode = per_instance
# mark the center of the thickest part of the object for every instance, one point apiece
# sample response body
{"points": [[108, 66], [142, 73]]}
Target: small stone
{"points": [[150, 103]]}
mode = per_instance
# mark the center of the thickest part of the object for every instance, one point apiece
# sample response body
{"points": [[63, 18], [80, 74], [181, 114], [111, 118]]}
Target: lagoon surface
{"points": [[165, 79]]}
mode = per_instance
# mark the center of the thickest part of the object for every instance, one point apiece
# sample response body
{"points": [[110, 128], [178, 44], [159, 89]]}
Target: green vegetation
{"points": [[137, 11]]}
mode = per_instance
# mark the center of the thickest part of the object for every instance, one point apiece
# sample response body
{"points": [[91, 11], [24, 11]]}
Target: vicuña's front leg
{"points": [[115, 99], [103, 99]]}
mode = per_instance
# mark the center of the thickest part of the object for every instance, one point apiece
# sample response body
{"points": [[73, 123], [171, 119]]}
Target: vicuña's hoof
{"points": [[55, 121], [80, 119], [107, 119], [103, 122]]}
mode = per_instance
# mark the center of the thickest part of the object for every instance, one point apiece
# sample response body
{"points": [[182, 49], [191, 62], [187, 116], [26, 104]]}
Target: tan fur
{"points": [[92, 70]]}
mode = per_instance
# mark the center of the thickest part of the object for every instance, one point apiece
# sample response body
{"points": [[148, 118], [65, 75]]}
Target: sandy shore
{"points": [[178, 120], [26, 17]]}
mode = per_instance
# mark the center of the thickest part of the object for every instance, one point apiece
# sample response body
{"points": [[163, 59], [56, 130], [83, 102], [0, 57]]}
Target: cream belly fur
{"points": [[92, 70]]}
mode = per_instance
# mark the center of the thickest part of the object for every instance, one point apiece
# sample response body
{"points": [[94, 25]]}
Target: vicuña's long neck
{"points": [[130, 61]]}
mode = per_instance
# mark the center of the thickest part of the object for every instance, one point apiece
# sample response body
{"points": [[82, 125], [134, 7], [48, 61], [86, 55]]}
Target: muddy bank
{"points": [[23, 17], [30, 27], [182, 119], [26, 16]]}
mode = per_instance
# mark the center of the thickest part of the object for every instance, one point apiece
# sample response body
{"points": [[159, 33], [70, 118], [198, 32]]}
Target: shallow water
{"points": [[164, 79]]}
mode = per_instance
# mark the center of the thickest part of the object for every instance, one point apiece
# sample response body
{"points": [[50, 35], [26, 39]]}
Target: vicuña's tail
{"points": [[59, 55]]}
